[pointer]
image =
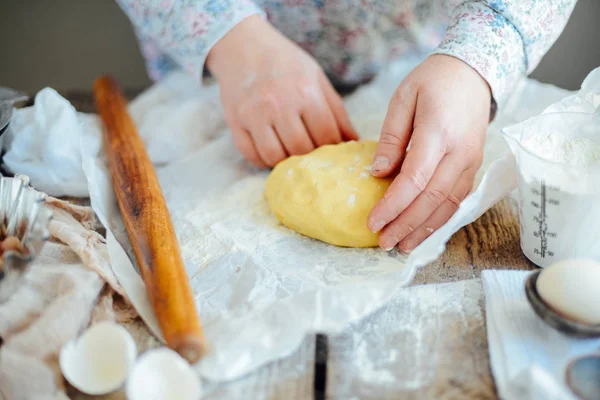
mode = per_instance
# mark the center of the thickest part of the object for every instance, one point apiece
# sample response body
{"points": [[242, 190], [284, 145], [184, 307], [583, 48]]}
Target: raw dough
{"points": [[328, 193]]}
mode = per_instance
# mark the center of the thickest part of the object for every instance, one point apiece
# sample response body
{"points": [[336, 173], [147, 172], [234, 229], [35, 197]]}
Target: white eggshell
{"points": [[162, 374], [572, 288], [99, 361]]}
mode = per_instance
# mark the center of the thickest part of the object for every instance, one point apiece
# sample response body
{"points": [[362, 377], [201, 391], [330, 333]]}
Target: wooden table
{"points": [[491, 242]]}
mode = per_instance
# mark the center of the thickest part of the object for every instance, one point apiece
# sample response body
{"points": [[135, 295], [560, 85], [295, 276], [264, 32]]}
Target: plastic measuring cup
{"points": [[559, 203]]}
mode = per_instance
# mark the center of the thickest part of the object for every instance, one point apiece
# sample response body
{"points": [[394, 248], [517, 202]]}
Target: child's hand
{"points": [[277, 100], [443, 109]]}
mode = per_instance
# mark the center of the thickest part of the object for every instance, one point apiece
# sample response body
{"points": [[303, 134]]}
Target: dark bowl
{"points": [[8, 98], [554, 319]]}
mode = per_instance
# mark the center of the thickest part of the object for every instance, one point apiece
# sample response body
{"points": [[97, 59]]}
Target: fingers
{"points": [[293, 135], [268, 146], [442, 214], [427, 202], [396, 131], [243, 141], [339, 111], [275, 127], [416, 172], [321, 124]]}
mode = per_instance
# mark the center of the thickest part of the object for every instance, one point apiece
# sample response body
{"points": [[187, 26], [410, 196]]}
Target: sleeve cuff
{"points": [[490, 44], [190, 53]]}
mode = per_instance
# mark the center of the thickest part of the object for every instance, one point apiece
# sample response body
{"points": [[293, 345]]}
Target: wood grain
{"points": [[491, 242], [148, 224]]}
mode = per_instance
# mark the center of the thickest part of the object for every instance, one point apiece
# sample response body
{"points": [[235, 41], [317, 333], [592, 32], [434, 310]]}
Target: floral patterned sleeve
{"points": [[182, 32], [504, 40]]}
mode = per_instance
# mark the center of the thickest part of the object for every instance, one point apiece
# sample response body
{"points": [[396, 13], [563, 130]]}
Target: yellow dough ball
{"points": [[328, 193]]}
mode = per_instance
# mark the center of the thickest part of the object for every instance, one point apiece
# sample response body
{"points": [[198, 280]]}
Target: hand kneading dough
{"points": [[328, 193]]}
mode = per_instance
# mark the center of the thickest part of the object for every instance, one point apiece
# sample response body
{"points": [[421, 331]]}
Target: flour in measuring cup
{"points": [[559, 209], [554, 146]]}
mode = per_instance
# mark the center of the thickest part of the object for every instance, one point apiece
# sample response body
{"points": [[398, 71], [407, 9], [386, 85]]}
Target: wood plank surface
{"points": [[491, 242]]}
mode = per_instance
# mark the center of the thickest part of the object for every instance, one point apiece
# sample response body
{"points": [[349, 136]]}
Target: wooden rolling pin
{"points": [[148, 224]]}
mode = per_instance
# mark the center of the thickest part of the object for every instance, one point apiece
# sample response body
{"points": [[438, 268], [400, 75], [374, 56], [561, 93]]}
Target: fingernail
{"points": [[406, 250], [377, 226], [388, 248], [379, 164]]}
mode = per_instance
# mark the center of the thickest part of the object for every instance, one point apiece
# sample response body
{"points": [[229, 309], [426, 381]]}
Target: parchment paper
{"points": [[259, 287]]}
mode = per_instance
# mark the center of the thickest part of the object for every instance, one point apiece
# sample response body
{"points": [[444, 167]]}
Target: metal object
{"points": [[554, 319], [8, 98], [583, 377], [24, 215]]}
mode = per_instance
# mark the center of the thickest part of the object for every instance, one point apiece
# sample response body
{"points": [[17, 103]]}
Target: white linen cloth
{"points": [[527, 356], [63, 293]]}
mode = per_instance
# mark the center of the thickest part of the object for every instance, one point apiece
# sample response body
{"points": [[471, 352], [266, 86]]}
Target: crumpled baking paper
{"points": [[259, 287], [174, 119], [43, 143]]}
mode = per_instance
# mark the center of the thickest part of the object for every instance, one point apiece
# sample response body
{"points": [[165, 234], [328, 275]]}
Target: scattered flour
{"points": [[351, 199], [555, 146]]}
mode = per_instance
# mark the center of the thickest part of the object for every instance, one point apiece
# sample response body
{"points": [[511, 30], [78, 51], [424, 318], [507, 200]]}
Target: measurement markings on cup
{"points": [[542, 232]]}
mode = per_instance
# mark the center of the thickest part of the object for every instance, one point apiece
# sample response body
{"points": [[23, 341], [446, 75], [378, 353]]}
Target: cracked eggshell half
{"points": [[162, 374], [98, 362]]}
